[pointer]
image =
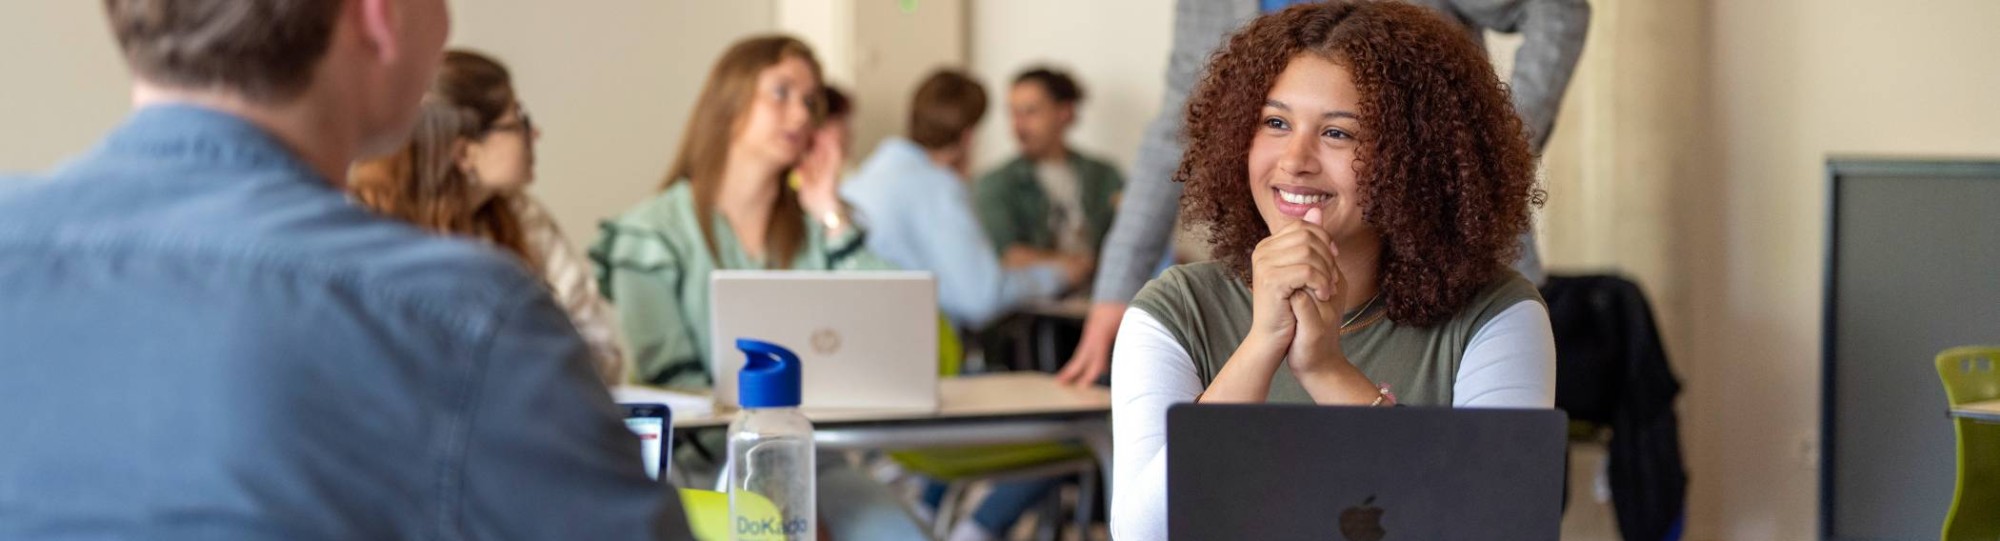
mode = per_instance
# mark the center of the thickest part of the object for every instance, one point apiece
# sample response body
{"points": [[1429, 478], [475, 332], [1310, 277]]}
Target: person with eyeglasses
{"points": [[465, 172]]}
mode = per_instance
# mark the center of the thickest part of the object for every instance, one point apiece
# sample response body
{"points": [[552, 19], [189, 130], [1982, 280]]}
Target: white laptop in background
{"points": [[866, 339]]}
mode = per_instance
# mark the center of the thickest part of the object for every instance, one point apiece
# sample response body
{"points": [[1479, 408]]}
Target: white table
{"points": [[989, 409], [1988, 411]]}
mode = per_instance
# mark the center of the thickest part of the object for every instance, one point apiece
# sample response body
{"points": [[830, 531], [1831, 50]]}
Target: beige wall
{"points": [[65, 83], [1621, 148], [894, 49], [611, 86], [1794, 81], [1117, 50], [1690, 156], [828, 26], [609, 83]]}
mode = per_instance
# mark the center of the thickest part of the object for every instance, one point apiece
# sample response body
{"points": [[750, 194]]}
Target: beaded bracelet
{"points": [[1383, 397]]}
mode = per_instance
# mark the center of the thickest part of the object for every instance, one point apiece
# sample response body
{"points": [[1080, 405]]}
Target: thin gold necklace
{"points": [[1363, 310]]}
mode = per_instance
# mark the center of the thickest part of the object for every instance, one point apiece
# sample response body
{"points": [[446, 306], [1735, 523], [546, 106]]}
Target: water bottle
{"points": [[770, 450]]}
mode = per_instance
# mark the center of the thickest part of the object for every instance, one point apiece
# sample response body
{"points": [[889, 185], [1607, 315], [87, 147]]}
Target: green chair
{"points": [[1972, 374], [708, 514], [951, 353], [959, 468]]}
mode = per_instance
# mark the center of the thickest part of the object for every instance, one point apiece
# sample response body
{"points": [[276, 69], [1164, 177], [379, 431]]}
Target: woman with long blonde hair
{"points": [[726, 204]]}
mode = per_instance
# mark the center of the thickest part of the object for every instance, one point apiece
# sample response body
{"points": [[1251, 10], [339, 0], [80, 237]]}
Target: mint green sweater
{"points": [[653, 265]]}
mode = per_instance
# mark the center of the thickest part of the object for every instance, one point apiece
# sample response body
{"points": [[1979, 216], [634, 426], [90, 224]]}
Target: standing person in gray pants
{"points": [[1554, 32]]}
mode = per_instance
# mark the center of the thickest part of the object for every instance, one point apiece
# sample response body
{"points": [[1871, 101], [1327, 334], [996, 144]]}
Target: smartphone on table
{"points": [[653, 423]]}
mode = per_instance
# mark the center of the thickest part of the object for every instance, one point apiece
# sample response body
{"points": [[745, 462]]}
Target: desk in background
{"points": [[1988, 411], [1036, 337]]}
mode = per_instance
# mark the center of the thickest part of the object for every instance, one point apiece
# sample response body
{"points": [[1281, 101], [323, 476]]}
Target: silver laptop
{"points": [[866, 340], [1276, 472]]}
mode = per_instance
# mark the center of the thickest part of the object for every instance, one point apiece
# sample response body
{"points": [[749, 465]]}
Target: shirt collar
{"points": [[186, 131]]}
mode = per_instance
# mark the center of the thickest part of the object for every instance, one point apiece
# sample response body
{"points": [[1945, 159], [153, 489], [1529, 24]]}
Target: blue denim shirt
{"points": [[201, 338]]}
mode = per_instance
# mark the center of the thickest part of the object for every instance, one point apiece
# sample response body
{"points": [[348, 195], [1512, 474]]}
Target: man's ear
{"points": [[380, 20], [965, 139]]}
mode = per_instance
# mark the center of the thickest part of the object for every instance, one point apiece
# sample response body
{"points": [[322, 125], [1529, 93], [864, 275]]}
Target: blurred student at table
{"points": [[912, 196], [727, 203], [466, 171], [1050, 202]]}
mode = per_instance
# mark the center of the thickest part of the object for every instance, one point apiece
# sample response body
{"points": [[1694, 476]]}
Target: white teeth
{"points": [[1302, 199]]}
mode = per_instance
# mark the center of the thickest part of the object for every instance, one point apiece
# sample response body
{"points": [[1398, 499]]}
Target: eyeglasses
{"points": [[524, 124]]}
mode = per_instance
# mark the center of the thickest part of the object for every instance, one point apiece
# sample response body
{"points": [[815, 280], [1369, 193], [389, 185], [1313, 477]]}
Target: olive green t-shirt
{"points": [[1208, 311]]}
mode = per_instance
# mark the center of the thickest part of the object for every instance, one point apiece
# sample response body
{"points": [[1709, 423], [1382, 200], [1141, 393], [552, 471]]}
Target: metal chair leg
{"points": [[1049, 526], [1086, 502], [947, 510]]}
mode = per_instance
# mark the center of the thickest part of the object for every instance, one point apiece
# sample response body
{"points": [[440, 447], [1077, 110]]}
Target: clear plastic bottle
{"points": [[771, 470]]}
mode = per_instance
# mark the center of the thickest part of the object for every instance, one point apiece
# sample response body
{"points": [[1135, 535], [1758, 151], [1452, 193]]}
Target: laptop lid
{"points": [[1282, 472], [866, 340]]}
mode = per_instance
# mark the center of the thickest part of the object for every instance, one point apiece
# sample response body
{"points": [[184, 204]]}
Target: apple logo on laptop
{"points": [[825, 341], [1363, 522]]}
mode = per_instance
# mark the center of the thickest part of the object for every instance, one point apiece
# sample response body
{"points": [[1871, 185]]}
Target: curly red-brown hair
{"points": [[1445, 171]]}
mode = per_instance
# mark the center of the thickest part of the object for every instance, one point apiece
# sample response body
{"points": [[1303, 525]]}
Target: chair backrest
{"points": [[951, 353], [1971, 374]]}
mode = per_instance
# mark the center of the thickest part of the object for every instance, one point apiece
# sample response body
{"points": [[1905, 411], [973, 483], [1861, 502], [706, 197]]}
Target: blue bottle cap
{"points": [[770, 376]]}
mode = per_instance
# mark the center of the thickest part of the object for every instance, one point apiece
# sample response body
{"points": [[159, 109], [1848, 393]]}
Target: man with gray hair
{"points": [[201, 338]]}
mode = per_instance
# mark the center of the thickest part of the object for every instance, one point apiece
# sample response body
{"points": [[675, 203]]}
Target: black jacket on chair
{"points": [[1611, 369]]}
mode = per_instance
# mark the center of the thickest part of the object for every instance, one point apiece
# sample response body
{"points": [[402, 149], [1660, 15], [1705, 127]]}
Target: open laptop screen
{"points": [[1277, 472]]}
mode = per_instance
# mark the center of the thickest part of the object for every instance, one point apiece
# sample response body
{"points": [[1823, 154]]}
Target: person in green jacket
{"points": [[727, 203], [1051, 201]]}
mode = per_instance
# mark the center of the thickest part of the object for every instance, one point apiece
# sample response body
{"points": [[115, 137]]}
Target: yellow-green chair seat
{"points": [[957, 463], [1972, 374], [708, 514]]}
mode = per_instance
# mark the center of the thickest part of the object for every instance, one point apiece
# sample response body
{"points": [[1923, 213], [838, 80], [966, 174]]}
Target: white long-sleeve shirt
{"points": [[1509, 363]]}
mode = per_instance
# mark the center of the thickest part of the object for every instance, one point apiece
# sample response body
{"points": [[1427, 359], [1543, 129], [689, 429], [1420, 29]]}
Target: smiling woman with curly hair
{"points": [[1363, 179]]}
